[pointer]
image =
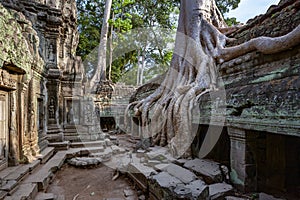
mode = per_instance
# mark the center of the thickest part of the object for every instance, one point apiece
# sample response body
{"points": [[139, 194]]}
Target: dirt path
{"points": [[89, 184]]}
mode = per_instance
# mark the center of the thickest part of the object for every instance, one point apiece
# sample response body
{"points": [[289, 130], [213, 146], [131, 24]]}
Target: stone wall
{"points": [[38, 40], [262, 105]]}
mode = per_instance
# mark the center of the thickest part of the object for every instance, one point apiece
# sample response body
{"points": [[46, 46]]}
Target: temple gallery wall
{"points": [[43, 86]]}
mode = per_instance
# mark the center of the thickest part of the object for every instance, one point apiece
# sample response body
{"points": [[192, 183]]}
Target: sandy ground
{"points": [[89, 184]]}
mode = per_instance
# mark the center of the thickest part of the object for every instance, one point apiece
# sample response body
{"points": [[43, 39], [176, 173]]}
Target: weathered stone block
{"points": [[209, 169], [182, 174], [219, 190]]}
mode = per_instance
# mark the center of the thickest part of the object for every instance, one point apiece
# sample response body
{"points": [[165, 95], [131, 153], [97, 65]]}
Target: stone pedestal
{"points": [[243, 159]]}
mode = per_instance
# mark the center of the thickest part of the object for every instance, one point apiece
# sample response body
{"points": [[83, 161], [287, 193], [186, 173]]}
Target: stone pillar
{"points": [[14, 150], [22, 120], [243, 159]]}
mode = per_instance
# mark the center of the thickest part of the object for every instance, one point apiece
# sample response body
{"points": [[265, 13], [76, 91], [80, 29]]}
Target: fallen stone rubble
{"points": [[156, 174]]}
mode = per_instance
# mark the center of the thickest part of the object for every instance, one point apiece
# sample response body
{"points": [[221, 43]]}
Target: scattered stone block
{"points": [[182, 192], [182, 174], [165, 180], [264, 196], [219, 190], [198, 189], [161, 167], [85, 161], [209, 169], [140, 174], [235, 198], [181, 161], [161, 186], [108, 142]]}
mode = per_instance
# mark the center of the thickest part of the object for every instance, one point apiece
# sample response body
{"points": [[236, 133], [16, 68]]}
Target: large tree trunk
{"points": [[166, 115], [100, 73]]}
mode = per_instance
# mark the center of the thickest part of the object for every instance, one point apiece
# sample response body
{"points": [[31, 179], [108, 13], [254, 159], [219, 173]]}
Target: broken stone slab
{"points": [[198, 189], [140, 174], [181, 161], [264, 196], [108, 142], [152, 163], [182, 192], [219, 190], [162, 185], [160, 167], [209, 169], [85, 161], [165, 180], [181, 173], [235, 198], [115, 149]]}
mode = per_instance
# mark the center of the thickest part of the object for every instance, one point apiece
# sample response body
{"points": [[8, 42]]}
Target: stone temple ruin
{"points": [[43, 101]]}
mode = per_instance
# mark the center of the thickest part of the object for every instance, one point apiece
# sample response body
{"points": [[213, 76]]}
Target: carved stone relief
{"points": [[6, 80], [52, 108]]}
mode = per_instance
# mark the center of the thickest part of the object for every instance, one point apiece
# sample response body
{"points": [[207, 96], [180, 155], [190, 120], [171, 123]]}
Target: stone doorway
{"points": [[3, 129]]}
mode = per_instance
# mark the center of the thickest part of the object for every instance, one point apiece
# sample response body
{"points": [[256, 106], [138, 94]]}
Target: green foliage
{"points": [[132, 15], [231, 21], [225, 6]]}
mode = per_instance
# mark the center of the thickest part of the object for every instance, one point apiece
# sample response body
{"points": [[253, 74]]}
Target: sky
{"points": [[248, 9]]}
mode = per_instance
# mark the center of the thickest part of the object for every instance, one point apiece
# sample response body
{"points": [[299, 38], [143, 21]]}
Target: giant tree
{"points": [[100, 73], [166, 114]]}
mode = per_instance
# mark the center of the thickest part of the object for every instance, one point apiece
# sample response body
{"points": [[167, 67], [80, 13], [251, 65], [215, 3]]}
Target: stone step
{"points": [[60, 145], [57, 137], [12, 176], [99, 143], [90, 150], [44, 175], [25, 191], [72, 138], [19, 174], [70, 131], [46, 154]]}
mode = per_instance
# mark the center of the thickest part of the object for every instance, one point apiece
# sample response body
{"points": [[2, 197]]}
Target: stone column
{"points": [[243, 159], [14, 150], [22, 121]]}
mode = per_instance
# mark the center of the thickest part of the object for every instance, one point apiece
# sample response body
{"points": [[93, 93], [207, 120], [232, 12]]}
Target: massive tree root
{"points": [[166, 115]]}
